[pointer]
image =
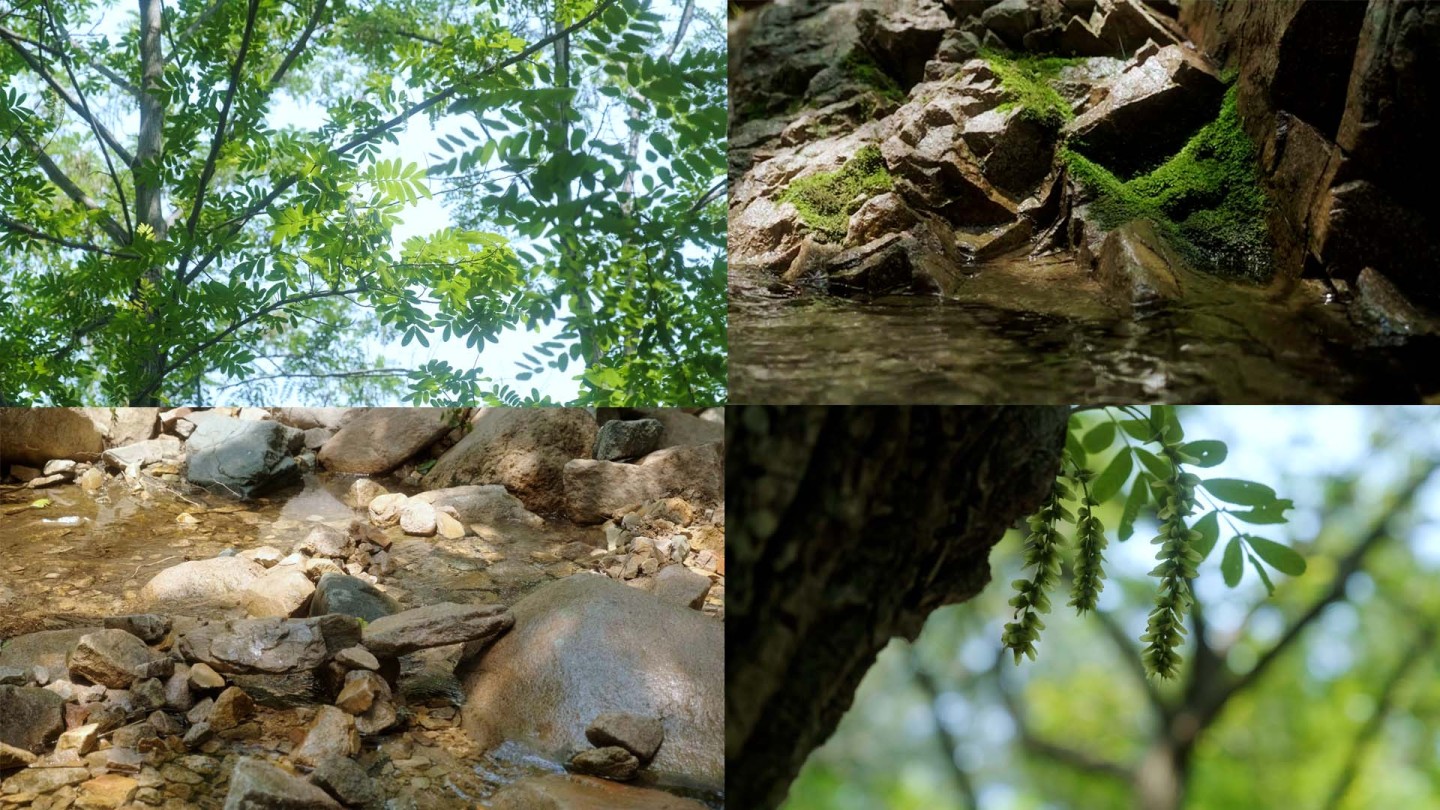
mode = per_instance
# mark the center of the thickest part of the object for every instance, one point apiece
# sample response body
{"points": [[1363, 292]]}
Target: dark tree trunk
{"points": [[848, 527]]}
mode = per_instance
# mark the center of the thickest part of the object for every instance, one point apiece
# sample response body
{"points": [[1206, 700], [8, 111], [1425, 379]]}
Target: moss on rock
{"points": [[861, 68], [1028, 78], [826, 200], [1206, 199]]}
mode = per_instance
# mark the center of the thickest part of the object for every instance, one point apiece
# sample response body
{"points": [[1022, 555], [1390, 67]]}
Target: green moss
{"points": [[1206, 198], [1028, 79], [826, 200], [860, 66]]}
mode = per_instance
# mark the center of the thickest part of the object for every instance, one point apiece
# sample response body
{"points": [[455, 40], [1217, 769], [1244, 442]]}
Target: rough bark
{"points": [[149, 209], [849, 526]]}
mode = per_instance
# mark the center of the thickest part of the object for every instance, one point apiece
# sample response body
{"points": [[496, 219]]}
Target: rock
{"points": [[148, 694], [345, 780], [1127, 25], [32, 718], [362, 689], [284, 591], [220, 580], [351, 596], [561, 792], [92, 479], [108, 716], [904, 37], [198, 735], [24, 474], [148, 627], [34, 436], [638, 735], [933, 168], [448, 526], [46, 481], [489, 505], [434, 626], [151, 451], [47, 650], [877, 218], [109, 657], [380, 717], [357, 658], [106, 792], [325, 541], [1379, 305], [12, 757], [239, 459], [612, 762], [79, 741], [178, 695], [267, 556], [678, 585], [1137, 269], [1167, 96], [384, 510], [331, 736], [597, 490], [523, 449], [283, 690], [258, 785], [204, 678], [1011, 20], [200, 712], [315, 438], [44, 780], [1015, 151], [624, 439], [417, 518], [61, 466], [587, 645], [231, 708], [269, 645], [381, 439], [331, 419], [363, 491]]}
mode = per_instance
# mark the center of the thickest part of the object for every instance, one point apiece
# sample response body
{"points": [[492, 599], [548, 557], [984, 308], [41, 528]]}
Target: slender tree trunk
{"points": [[149, 208], [848, 527]]}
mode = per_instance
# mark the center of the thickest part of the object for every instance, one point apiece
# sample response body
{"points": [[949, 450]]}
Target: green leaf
{"points": [[1158, 467], [1234, 490], [1231, 566], [1074, 448], [1209, 529], [1109, 482], [1137, 428], [1264, 577], [1139, 496], [1099, 437], [1280, 557], [1209, 452], [1269, 514]]}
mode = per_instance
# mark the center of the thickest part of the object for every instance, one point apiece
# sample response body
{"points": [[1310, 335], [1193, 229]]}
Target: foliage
{"points": [[1162, 480], [1206, 199], [860, 67], [181, 258], [827, 199], [1028, 79]]}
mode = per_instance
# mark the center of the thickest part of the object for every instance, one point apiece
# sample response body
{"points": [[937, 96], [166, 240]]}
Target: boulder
{"points": [[417, 518], [112, 658], [34, 436], [34, 781], [148, 627], [150, 451], [610, 762], [587, 645], [12, 757], [559, 792], [315, 438], [629, 438], [904, 37], [48, 650], [434, 626], [32, 717], [1011, 20], [363, 491], [351, 596], [331, 736], [1167, 94], [344, 779], [284, 690], [598, 490], [639, 735], [384, 510], [283, 591], [381, 439], [933, 167], [220, 580], [488, 505], [106, 792], [331, 419], [269, 645], [1136, 268], [679, 585], [131, 425], [257, 785], [237, 458], [523, 449]]}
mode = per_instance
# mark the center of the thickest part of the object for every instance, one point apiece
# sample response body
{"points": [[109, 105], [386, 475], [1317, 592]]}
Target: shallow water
{"points": [[1016, 339]]}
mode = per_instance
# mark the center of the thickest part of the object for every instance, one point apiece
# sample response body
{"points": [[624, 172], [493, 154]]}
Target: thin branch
{"points": [[369, 372], [72, 190], [1131, 657], [192, 29], [299, 46], [686, 16], [20, 227]]}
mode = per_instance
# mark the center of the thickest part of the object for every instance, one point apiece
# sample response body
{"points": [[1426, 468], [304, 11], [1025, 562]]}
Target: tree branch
{"points": [[299, 47], [20, 227], [947, 742], [368, 372], [72, 190], [192, 29], [1075, 758]]}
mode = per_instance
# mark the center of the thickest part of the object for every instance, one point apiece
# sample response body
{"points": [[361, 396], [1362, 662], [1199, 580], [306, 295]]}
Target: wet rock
{"points": [[435, 626], [1167, 96], [1015, 150], [560, 792], [44, 780], [638, 734], [258, 785], [231, 708], [152, 451], [879, 217], [357, 658], [934, 169], [219, 580], [587, 645], [1011, 20], [148, 627], [489, 505], [12, 757], [1137, 268], [417, 518], [239, 459], [345, 780], [331, 736], [903, 37], [269, 645], [109, 657], [283, 591], [268, 556], [381, 439], [598, 490], [106, 792], [447, 525], [523, 450], [325, 541], [92, 479], [60, 466], [623, 439], [1127, 25], [351, 596], [1379, 305], [363, 491], [45, 481], [611, 762], [678, 585], [384, 510]]}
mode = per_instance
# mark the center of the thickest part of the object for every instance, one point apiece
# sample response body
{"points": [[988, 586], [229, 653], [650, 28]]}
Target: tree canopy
{"points": [[202, 200]]}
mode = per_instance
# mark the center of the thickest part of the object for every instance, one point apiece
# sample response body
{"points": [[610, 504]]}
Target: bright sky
{"points": [[415, 144]]}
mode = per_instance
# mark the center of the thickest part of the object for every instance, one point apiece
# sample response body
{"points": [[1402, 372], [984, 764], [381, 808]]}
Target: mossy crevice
{"points": [[1206, 199], [826, 200], [1028, 79], [862, 68]]}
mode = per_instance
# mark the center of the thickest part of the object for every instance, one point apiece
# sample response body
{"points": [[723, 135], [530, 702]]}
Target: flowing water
{"points": [[1039, 333]]}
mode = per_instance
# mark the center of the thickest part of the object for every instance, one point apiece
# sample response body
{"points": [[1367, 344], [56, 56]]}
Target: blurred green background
{"points": [[1324, 695]]}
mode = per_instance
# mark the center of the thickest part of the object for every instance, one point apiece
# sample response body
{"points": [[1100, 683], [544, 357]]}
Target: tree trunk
{"points": [[149, 208], [849, 526]]}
